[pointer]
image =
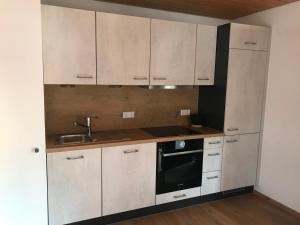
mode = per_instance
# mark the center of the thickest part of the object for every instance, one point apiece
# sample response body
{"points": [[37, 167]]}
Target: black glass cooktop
{"points": [[170, 131]]}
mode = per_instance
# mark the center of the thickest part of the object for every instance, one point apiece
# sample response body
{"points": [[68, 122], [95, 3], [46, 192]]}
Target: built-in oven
{"points": [[179, 165]]}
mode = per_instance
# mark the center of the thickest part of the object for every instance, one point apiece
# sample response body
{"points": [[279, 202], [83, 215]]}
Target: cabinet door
{"points": [[240, 158], [69, 48], [245, 91], [251, 37], [172, 53], [211, 183], [205, 55], [123, 44], [74, 186], [128, 177]]}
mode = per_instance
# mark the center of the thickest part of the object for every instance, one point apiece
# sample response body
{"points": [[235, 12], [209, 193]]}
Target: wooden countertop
{"points": [[126, 137]]}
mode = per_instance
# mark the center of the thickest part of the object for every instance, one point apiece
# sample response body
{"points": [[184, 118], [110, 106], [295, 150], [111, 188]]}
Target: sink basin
{"points": [[73, 139]]}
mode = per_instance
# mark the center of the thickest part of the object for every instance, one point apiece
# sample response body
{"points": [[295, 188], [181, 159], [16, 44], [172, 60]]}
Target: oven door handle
{"points": [[182, 153]]}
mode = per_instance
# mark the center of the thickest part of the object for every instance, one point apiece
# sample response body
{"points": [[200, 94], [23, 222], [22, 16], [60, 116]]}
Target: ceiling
{"points": [[225, 9]]}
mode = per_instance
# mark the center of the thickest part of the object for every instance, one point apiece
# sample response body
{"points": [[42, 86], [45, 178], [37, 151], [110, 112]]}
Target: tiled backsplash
{"points": [[63, 106]]}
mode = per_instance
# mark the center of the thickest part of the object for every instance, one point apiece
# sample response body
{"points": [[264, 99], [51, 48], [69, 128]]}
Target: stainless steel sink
{"points": [[74, 139]]}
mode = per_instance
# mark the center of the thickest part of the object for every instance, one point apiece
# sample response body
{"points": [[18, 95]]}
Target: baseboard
{"points": [[276, 203], [164, 207]]}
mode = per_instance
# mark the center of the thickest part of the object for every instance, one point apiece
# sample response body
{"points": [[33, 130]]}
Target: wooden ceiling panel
{"points": [[225, 9]]}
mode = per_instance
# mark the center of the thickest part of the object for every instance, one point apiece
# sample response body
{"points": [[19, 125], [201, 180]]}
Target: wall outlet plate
{"points": [[128, 115], [185, 112]]}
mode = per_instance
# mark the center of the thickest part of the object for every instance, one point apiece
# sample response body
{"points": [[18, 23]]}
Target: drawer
{"points": [[214, 142], [212, 160], [249, 37], [177, 195], [211, 183]]}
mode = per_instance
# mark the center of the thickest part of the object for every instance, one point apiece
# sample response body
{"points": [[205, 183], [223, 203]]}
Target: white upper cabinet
{"points": [[250, 37], [245, 91], [172, 53], [123, 48], [205, 55], [69, 48]]}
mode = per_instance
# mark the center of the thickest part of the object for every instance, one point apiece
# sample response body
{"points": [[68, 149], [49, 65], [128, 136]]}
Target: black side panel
{"points": [[212, 98]]}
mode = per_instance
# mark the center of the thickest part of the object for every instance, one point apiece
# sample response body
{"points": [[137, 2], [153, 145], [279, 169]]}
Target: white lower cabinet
{"points": [[74, 186], [211, 183], [178, 195], [128, 177], [212, 160], [240, 159]]}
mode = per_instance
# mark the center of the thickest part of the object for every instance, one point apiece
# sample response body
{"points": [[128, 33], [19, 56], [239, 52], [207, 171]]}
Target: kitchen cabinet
{"points": [[172, 53], [74, 186], [245, 91], [240, 160], [128, 177], [249, 37], [212, 159], [205, 55], [69, 45], [123, 44], [211, 183], [177, 195]]}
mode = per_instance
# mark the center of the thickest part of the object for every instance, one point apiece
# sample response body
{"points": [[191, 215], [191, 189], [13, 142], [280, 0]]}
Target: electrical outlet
{"points": [[185, 112], [128, 115]]}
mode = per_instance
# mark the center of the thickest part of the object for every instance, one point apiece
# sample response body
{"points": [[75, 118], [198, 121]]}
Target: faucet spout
{"points": [[87, 125]]}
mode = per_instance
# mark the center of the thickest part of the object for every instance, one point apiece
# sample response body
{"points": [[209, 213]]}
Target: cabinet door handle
{"points": [[179, 196], [131, 151], [214, 143], [232, 129], [214, 154], [203, 78], [250, 43], [159, 78], [75, 158], [140, 78], [232, 141], [211, 178], [84, 76]]}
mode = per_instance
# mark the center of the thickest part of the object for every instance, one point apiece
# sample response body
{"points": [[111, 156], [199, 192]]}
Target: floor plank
{"points": [[247, 209]]}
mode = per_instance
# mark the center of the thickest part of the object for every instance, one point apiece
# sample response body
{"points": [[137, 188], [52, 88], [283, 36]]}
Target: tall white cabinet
{"points": [[246, 76]]}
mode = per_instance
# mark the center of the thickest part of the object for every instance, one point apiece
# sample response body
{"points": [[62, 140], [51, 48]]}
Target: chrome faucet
{"points": [[87, 125]]}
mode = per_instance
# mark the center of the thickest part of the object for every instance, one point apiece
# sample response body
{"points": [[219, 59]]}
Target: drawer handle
{"points": [[159, 78], [232, 141], [250, 43], [232, 129], [211, 178], [75, 158], [131, 151], [203, 78], [214, 154], [179, 196], [214, 143], [84, 76], [140, 78]]}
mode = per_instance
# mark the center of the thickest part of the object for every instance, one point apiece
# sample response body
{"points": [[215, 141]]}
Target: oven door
{"points": [[179, 170]]}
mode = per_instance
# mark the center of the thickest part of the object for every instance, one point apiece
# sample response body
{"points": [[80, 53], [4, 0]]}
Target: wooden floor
{"points": [[247, 209]]}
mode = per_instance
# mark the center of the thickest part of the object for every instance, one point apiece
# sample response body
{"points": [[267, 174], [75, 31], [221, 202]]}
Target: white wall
{"points": [[135, 11], [23, 185], [280, 156]]}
